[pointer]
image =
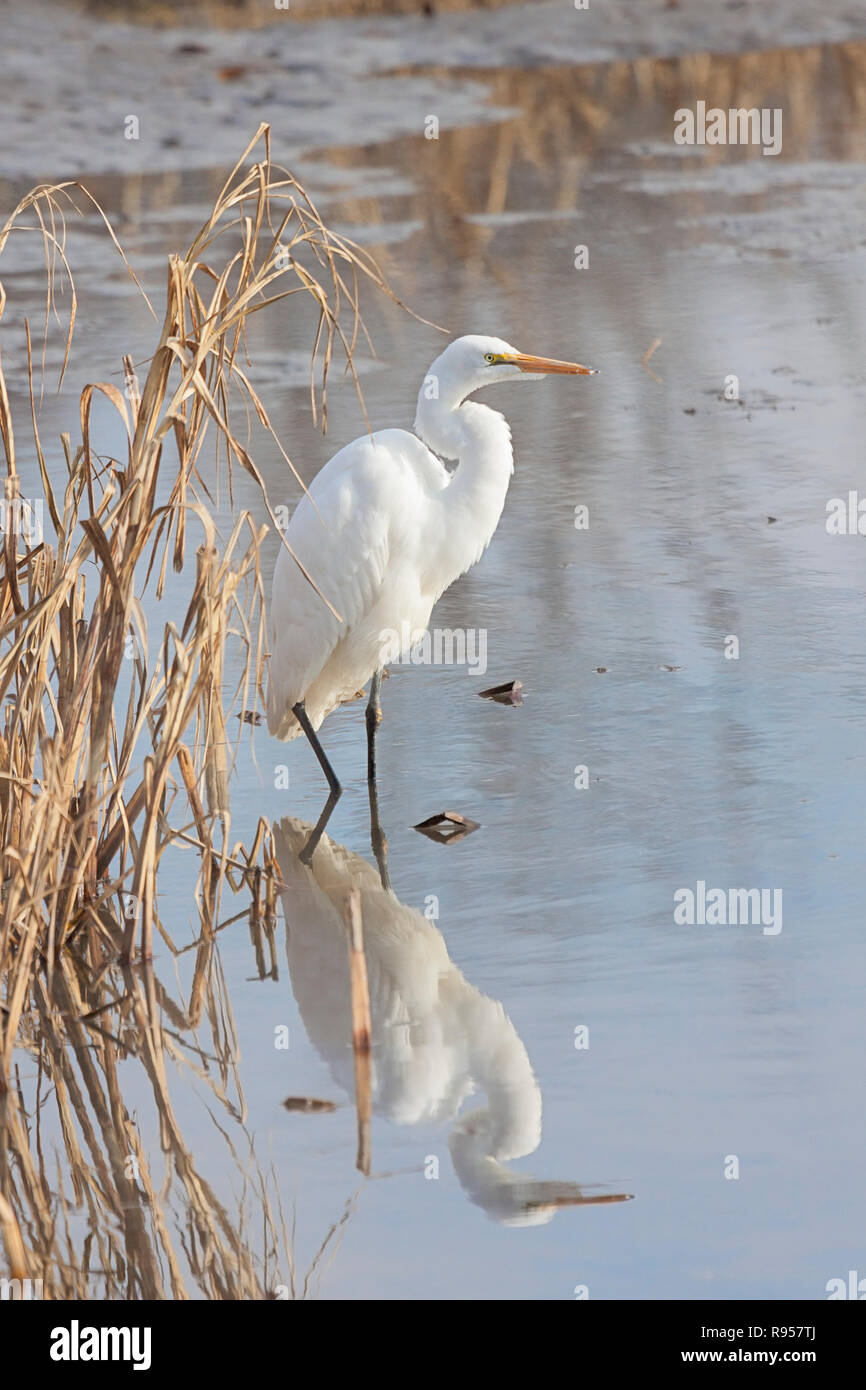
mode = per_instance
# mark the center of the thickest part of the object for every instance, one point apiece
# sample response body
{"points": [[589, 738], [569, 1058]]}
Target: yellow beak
{"points": [[549, 364]]}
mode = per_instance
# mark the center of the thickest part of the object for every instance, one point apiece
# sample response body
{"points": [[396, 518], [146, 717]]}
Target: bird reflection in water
{"points": [[436, 1038]]}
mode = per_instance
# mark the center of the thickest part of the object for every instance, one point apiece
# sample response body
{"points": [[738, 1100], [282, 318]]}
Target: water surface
{"points": [[706, 522]]}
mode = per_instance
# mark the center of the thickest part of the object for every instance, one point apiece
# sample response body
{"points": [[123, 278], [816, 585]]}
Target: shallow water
{"points": [[706, 522]]}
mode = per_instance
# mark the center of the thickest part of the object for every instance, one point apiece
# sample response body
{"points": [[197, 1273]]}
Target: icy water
{"points": [[697, 648]]}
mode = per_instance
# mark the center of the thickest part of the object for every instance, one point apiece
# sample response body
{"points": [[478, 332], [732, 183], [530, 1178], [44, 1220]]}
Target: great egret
{"points": [[384, 530]]}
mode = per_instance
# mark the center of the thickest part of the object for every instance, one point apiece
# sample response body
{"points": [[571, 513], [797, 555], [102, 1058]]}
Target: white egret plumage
{"points": [[384, 530]]}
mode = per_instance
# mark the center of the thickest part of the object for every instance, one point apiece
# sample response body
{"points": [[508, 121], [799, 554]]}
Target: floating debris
{"points": [[447, 827], [689, 410], [771, 519], [670, 668], [308, 1105], [601, 670], [250, 716], [507, 694]]}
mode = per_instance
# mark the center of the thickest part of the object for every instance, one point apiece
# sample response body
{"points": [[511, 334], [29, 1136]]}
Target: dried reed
{"points": [[109, 754]]}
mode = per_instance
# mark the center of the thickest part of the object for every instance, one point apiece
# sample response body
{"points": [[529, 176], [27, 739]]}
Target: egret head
{"points": [[474, 361]]}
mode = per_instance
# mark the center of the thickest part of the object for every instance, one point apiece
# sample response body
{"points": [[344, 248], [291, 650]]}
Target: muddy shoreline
{"points": [[116, 97]]}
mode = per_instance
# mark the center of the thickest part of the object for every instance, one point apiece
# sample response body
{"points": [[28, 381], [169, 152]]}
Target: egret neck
{"points": [[471, 504]]}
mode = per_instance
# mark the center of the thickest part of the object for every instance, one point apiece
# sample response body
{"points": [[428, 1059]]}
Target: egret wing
{"points": [[351, 542]]}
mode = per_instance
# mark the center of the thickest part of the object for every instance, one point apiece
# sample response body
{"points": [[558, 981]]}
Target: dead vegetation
{"points": [[115, 743]]}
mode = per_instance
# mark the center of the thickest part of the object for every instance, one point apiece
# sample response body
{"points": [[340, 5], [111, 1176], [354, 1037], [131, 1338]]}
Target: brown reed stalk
{"points": [[95, 787], [361, 1027], [83, 786]]}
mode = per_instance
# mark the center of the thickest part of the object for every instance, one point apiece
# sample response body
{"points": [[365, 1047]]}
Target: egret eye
{"points": [[490, 358]]}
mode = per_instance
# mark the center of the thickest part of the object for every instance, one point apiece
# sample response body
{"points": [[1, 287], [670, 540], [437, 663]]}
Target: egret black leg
{"points": [[374, 719], [300, 713], [306, 854], [377, 836]]}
